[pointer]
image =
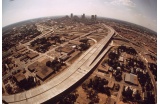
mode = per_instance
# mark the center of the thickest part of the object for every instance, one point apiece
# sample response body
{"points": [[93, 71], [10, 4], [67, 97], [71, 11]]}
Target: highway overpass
{"points": [[69, 77]]}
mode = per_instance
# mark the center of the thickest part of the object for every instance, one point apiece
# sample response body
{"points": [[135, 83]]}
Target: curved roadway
{"points": [[65, 80]]}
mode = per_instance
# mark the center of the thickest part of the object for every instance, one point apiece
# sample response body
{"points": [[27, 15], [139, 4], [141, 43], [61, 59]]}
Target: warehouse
{"points": [[131, 79]]}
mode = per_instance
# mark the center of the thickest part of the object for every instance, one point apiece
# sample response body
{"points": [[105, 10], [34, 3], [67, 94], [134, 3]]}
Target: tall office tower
{"points": [[92, 18], [71, 15], [95, 17], [83, 16]]}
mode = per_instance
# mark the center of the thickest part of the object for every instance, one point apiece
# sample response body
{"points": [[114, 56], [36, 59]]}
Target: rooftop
{"points": [[44, 72], [131, 78], [19, 47], [32, 55], [19, 77]]}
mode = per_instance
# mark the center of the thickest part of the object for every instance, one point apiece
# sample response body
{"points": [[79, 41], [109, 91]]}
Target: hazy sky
{"points": [[142, 12]]}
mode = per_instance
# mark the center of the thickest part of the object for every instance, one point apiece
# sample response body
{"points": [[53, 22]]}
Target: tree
{"points": [[54, 62], [84, 86], [83, 46], [131, 50], [110, 62], [84, 40], [113, 56], [118, 77], [107, 92], [57, 66], [48, 63], [138, 96], [56, 38], [122, 48]]}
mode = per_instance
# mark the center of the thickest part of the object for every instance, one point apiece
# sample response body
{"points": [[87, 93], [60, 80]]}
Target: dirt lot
{"points": [[97, 38]]}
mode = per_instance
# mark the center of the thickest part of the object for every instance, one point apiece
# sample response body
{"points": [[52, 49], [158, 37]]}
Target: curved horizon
{"points": [[68, 15], [140, 12]]}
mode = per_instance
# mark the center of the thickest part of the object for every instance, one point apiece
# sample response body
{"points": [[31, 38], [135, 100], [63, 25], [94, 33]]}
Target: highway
{"points": [[81, 67]]}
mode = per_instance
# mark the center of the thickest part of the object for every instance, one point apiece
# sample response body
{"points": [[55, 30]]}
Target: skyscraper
{"points": [[95, 17], [83, 16], [71, 15], [92, 18]]}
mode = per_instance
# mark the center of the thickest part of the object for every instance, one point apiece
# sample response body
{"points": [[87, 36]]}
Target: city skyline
{"points": [[141, 12], [64, 49]]}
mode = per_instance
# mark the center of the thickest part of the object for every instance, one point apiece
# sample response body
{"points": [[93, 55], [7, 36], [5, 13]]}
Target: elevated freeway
{"points": [[69, 77]]}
